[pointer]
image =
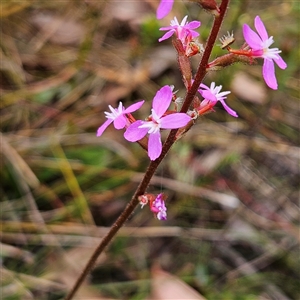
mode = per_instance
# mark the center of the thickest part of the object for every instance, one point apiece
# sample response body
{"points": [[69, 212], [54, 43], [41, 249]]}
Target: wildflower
{"points": [[118, 116], [159, 208], [260, 44], [164, 8], [184, 30], [212, 95], [156, 121]]}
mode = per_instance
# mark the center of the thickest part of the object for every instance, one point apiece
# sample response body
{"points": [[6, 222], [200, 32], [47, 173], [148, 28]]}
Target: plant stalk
{"points": [[141, 189]]}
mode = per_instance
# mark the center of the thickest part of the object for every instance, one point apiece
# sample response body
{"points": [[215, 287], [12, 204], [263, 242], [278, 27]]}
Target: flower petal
{"points": [[183, 22], [167, 35], [133, 107], [134, 133], [269, 74], [193, 25], [228, 109], [120, 122], [193, 33], [204, 86], [164, 8], [154, 145], [280, 62], [251, 37], [208, 95], [261, 29], [104, 126], [162, 215], [167, 28], [175, 120], [162, 100]]}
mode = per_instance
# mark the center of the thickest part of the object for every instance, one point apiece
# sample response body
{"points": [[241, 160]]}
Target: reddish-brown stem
{"points": [[141, 189]]}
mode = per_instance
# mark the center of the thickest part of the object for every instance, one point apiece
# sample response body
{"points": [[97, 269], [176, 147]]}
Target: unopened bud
{"points": [[184, 63], [209, 5], [229, 59], [194, 48], [145, 199]]}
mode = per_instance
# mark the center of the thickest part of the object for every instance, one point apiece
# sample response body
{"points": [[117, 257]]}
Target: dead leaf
{"points": [[248, 89], [127, 10], [61, 31], [167, 286], [67, 267]]}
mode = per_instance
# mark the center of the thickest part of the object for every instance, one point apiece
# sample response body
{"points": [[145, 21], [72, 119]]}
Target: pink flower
{"points": [[164, 8], [184, 30], [118, 116], [158, 120], [260, 44], [212, 95], [159, 208]]}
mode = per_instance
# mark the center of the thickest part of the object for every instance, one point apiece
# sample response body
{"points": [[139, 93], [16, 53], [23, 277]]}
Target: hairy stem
{"points": [[141, 189]]}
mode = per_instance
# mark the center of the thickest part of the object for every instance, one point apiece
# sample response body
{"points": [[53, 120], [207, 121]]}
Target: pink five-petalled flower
{"points": [[159, 208], [212, 95], [118, 116], [164, 8], [185, 31], [260, 44], [158, 120]]}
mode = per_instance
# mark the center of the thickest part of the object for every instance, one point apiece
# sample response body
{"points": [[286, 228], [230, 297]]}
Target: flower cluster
{"points": [[147, 132], [160, 118]]}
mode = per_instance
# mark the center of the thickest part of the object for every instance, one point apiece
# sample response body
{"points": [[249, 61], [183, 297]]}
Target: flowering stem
{"points": [[141, 189]]}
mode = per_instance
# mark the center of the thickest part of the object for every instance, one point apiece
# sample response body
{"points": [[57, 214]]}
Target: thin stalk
{"points": [[141, 189]]}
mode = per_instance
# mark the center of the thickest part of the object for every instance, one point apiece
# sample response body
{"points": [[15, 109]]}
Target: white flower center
{"points": [[153, 125], [115, 112], [270, 53]]}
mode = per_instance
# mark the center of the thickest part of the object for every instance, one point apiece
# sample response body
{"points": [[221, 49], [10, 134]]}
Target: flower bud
{"points": [[145, 199], [209, 5], [194, 48], [184, 63], [227, 60]]}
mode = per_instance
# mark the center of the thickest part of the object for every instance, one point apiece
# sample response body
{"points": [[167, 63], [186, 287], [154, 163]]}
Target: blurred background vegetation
{"points": [[232, 184]]}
